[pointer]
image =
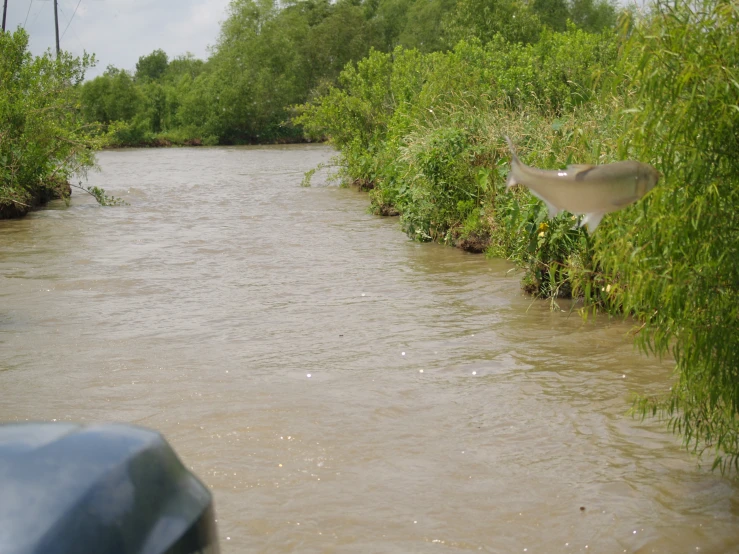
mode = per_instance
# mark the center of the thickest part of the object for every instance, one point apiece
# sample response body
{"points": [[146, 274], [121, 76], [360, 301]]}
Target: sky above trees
{"points": [[118, 32]]}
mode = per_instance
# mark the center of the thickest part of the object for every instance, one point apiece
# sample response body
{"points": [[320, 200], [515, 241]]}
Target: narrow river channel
{"points": [[339, 387]]}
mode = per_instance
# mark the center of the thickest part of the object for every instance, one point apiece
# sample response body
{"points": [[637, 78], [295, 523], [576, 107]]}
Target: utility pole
{"points": [[56, 25], [5, 12]]}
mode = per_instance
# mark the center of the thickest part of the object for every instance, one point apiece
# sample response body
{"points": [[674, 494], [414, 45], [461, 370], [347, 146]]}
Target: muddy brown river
{"points": [[339, 387]]}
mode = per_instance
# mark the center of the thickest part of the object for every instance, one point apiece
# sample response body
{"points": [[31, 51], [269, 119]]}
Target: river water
{"points": [[340, 388]]}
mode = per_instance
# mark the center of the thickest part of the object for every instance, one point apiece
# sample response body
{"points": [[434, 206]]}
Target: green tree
{"points": [[154, 108], [199, 105], [44, 140], [343, 36], [112, 96], [424, 26], [514, 20], [593, 15], [553, 13], [153, 66], [389, 19], [185, 65], [268, 59]]}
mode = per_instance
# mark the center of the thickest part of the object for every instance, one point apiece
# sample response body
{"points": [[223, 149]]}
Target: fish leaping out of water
{"points": [[589, 190]]}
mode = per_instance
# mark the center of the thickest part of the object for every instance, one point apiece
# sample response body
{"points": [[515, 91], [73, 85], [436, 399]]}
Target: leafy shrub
{"points": [[43, 138], [675, 253], [133, 133]]}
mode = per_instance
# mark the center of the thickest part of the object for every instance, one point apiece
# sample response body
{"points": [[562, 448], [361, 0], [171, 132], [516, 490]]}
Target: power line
{"points": [[71, 18], [28, 12], [35, 18], [75, 32], [79, 40]]}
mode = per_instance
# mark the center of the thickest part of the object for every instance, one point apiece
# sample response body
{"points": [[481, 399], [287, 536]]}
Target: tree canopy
{"points": [[271, 56], [153, 66]]}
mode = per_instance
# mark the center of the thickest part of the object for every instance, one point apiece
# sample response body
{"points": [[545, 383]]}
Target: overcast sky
{"points": [[118, 32]]}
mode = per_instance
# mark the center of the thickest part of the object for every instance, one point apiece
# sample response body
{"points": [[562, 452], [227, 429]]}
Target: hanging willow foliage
{"points": [[678, 256]]}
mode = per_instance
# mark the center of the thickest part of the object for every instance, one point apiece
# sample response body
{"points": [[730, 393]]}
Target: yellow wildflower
{"points": [[543, 227]]}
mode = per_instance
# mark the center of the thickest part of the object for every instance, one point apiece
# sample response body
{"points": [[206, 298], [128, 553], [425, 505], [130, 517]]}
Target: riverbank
{"points": [[129, 135], [174, 141], [44, 140], [14, 205], [424, 132], [435, 155]]}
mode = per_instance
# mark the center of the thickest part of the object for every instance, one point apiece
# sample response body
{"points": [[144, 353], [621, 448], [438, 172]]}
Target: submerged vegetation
{"points": [[423, 133]]}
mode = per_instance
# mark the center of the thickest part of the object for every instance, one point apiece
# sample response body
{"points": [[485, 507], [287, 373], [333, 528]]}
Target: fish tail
{"points": [[511, 180]]}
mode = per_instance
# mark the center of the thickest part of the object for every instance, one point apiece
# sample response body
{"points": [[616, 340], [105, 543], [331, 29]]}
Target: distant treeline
{"points": [[271, 56]]}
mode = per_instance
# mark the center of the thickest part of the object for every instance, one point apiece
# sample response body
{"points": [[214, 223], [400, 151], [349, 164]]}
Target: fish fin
{"points": [[511, 180], [510, 145], [579, 171], [552, 210], [592, 220]]}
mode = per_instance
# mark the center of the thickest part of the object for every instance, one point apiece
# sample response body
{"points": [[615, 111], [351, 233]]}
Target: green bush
{"points": [[424, 132], [44, 140], [675, 254], [133, 133]]}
